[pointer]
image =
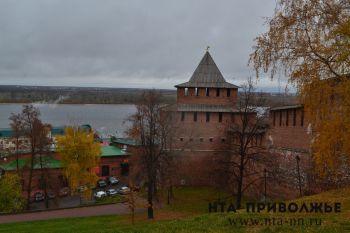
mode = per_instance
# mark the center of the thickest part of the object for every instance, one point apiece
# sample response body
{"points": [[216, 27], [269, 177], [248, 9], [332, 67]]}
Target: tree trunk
{"points": [[168, 197], [155, 193], [43, 180], [29, 187], [240, 182], [239, 193], [150, 200], [172, 192], [17, 156]]}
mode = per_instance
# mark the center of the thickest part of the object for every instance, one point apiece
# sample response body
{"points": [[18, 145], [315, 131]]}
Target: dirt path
{"points": [[68, 213]]}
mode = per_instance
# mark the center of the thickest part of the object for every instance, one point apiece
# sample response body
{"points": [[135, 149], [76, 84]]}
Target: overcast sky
{"points": [[127, 43]]}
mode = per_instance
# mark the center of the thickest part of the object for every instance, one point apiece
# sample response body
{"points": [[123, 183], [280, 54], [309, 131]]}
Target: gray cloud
{"points": [[136, 43]]}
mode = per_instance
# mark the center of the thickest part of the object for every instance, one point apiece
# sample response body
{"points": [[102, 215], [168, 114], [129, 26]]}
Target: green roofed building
{"points": [[57, 131], [48, 162], [113, 162], [125, 141], [110, 151], [5, 132]]}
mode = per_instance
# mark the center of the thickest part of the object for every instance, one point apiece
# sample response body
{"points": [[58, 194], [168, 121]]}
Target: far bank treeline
{"points": [[77, 95], [91, 95]]}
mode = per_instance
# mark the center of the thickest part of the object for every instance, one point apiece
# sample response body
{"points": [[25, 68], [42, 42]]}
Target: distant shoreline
{"points": [[108, 96], [24, 103], [76, 95]]}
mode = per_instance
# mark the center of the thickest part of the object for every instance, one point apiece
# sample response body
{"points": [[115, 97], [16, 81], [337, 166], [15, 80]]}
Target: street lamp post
{"points": [[298, 170], [265, 181]]}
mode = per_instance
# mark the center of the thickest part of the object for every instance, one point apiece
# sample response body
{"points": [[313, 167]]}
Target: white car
{"points": [[124, 190], [112, 180], [100, 194]]}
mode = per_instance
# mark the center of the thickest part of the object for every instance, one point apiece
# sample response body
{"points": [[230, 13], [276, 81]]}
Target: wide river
{"points": [[106, 119]]}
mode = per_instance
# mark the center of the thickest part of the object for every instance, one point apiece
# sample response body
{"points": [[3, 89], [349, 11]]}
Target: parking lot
{"points": [[71, 201], [71, 206]]}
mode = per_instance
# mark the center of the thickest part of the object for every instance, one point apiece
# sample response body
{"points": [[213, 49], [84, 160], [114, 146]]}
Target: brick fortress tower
{"points": [[205, 107]]}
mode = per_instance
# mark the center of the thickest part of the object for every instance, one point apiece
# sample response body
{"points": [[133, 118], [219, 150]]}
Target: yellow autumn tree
{"points": [[309, 41], [11, 197], [80, 156]]}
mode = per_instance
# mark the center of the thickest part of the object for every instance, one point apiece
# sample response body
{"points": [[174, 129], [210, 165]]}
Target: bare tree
{"points": [[17, 129], [248, 156], [43, 148], [36, 132], [149, 129], [167, 174]]}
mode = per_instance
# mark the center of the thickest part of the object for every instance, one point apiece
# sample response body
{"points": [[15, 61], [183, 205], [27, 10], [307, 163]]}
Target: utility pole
{"points": [[298, 170]]}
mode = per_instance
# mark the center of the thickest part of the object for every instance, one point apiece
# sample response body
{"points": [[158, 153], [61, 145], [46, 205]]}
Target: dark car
{"points": [[101, 184], [63, 192], [51, 195], [112, 180], [39, 196], [136, 188]]}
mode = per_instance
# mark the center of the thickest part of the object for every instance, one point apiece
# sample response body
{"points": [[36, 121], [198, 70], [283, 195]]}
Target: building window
{"points": [[191, 139], [105, 170], [220, 116], [201, 139], [280, 118], [217, 92], [223, 140], [228, 92], [186, 91], [294, 117], [195, 116], [302, 118], [182, 116], [124, 169], [181, 139], [206, 91], [210, 139], [274, 118], [287, 117], [63, 181], [196, 91], [207, 117]]}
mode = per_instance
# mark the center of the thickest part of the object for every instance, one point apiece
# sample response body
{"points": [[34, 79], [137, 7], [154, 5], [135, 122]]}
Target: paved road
{"points": [[68, 213]]}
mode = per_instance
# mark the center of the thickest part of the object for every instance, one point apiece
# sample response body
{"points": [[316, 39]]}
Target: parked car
{"points": [[39, 196], [111, 192], [51, 195], [124, 190], [136, 188], [63, 192], [112, 180], [100, 194], [101, 184]]}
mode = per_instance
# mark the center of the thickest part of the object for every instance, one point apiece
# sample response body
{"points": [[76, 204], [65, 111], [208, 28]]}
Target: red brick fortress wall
{"points": [[289, 129]]}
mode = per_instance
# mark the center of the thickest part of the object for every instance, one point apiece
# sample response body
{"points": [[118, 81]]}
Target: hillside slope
{"points": [[219, 222]]}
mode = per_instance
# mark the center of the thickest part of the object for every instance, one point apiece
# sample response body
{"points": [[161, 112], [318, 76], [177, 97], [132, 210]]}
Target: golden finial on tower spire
{"points": [[208, 47]]}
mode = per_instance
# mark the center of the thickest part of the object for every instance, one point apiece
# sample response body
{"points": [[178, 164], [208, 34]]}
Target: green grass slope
{"points": [[194, 219]]}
